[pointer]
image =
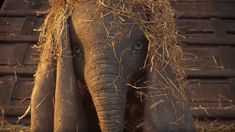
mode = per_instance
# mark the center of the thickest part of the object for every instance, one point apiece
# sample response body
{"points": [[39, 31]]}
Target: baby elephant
{"points": [[109, 56]]}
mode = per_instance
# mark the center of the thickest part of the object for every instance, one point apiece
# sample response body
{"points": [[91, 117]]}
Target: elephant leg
{"points": [[165, 108], [42, 110], [69, 113]]}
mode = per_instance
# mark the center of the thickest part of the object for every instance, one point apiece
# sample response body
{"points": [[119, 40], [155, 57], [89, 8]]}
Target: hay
{"points": [[51, 32], [6, 126], [214, 126]]}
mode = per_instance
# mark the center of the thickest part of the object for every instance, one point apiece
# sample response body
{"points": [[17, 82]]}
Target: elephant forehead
{"points": [[86, 19]]}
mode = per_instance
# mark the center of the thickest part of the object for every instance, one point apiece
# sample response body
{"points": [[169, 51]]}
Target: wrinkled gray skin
{"points": [[99, 63]]}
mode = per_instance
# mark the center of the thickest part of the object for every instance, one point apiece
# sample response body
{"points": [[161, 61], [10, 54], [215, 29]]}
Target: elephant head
{"points": [[111, 53]]}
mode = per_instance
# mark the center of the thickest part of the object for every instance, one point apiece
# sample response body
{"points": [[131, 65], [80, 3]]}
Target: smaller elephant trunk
{"points": [[109, 103], [109, 97], [110, 106]]}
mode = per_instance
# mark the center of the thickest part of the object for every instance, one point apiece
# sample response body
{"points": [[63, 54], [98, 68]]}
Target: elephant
{"points": [[94, 85]]}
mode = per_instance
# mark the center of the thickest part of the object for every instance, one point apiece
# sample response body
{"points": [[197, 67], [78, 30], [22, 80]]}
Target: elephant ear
{"points": [[165, 107]]}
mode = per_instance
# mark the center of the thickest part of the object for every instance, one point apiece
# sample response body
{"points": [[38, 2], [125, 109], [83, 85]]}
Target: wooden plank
{"points": [[207, 39], [232, 84], [226, 56], [219, 26], [12, 55], [201, 58], [213, 112], [23, 89], [210, 74], [207, 61], [16, 25], [39, 21], [14, 110], [20, 102], [11, 25], [32, 56], [211, 104], [24, 4], [22, 70], [188, 26], [22, 13], [7, 85], [35, 4], [27, 28], [18, 38], [200, 10], [209, 90]]}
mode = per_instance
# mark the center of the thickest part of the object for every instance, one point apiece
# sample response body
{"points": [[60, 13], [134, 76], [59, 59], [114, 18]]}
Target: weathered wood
{"points": [[28, 25], [203, 26], [22, 13], [207, 39], [12, 54], [7, 87], [31, 56], [209, 90], [211, 104], [23, 70], [213, 112], [202, 10], [23, 89], [18, 39], [10, 25], [14, 110], [210, 74], [25, 4]]}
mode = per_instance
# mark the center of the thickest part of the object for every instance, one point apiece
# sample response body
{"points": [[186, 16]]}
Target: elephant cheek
{"points": [[109, 97]]}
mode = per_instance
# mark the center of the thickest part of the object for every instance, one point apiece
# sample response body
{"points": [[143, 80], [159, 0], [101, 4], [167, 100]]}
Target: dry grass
{"points": [[214, 126], [7, 127]]}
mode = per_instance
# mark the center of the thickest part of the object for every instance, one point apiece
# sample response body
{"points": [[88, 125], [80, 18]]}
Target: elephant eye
{"points": [[140, 44]]}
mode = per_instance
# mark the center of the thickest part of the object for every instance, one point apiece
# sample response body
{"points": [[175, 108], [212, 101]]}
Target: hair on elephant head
{"points": [[111, 59]]}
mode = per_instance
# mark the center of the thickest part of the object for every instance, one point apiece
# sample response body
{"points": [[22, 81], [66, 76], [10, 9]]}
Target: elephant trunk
{"points": [[108, 95]]}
